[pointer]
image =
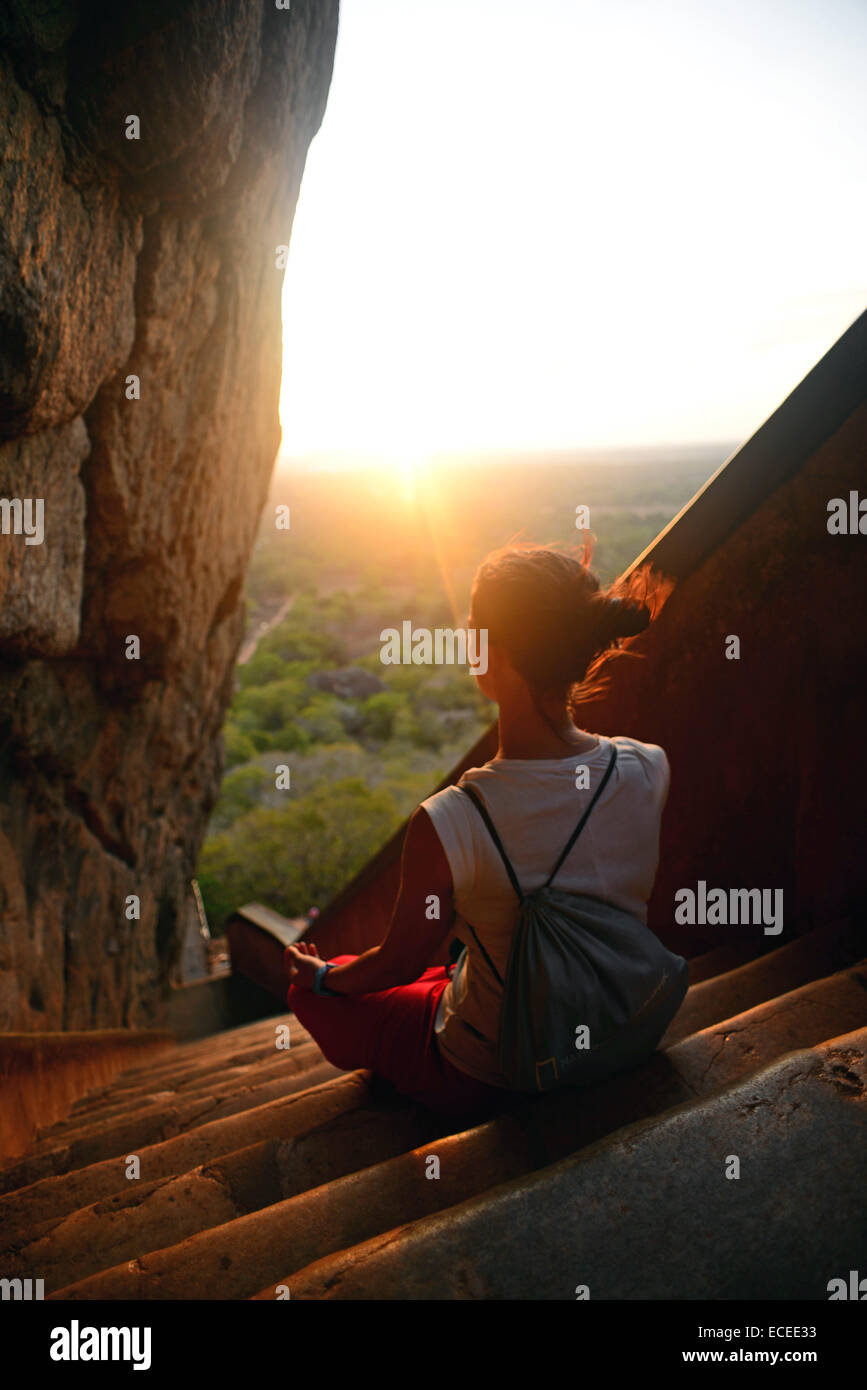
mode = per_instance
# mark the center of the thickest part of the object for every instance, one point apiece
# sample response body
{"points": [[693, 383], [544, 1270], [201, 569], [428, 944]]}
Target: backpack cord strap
{"points": [[583, 821], [482, 810], [496, 972]]}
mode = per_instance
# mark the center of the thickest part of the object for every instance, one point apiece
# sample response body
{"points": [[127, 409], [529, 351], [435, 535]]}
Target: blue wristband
{"points": [[318, 986]]}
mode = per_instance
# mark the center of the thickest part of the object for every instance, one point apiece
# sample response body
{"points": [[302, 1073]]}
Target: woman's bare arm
{"points": [[415, 934]]}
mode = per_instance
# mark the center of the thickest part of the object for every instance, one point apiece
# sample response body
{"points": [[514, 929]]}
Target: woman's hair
{"points": [[546, 609]]}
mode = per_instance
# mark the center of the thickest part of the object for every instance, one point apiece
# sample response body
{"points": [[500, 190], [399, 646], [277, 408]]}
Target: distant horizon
{"points": [[336, 461]]}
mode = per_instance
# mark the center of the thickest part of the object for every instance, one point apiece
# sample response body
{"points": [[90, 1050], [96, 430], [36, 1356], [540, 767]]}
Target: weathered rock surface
{"points": [[654, 1212], [152, 258]]}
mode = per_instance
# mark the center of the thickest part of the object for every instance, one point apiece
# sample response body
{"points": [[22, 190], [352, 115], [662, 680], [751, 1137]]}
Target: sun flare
{"points": [[409, 469]]}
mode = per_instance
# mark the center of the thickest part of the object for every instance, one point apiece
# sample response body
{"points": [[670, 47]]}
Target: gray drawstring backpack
{"points": [[589, 989]]}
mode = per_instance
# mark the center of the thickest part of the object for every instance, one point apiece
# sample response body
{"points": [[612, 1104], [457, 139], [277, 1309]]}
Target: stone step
{"points": [[819, 952], [130, 1134], [23, 1209], [652, 1212], [230, 1040], [179, 1069], [364, 1203], [129, 1224], [222, 1083], [184, 1082], [247, 1034]]}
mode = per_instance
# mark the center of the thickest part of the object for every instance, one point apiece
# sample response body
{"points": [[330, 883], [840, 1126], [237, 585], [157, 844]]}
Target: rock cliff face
{"points": [[152, 258]]}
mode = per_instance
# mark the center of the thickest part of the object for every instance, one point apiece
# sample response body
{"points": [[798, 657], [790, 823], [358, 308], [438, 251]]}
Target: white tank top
{"points": [[535, 805]]}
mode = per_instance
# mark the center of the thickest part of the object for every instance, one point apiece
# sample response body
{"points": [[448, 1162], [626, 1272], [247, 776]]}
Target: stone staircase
{"points": [[267, 1173]]}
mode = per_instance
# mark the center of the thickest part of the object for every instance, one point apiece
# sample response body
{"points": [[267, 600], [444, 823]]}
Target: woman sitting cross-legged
{"points": [[432, 1034]]}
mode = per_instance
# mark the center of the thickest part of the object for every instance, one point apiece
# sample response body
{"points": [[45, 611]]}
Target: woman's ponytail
{"points": [[547, 610]]}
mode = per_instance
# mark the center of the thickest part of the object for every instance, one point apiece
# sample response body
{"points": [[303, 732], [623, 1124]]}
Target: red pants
{"points": [[391, 1034]]}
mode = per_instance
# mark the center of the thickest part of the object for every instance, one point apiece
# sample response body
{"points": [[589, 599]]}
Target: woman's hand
{"points": [[301, 962]]}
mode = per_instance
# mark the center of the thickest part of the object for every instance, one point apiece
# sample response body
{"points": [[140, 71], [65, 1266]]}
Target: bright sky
{"points": [[574, 223]]}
